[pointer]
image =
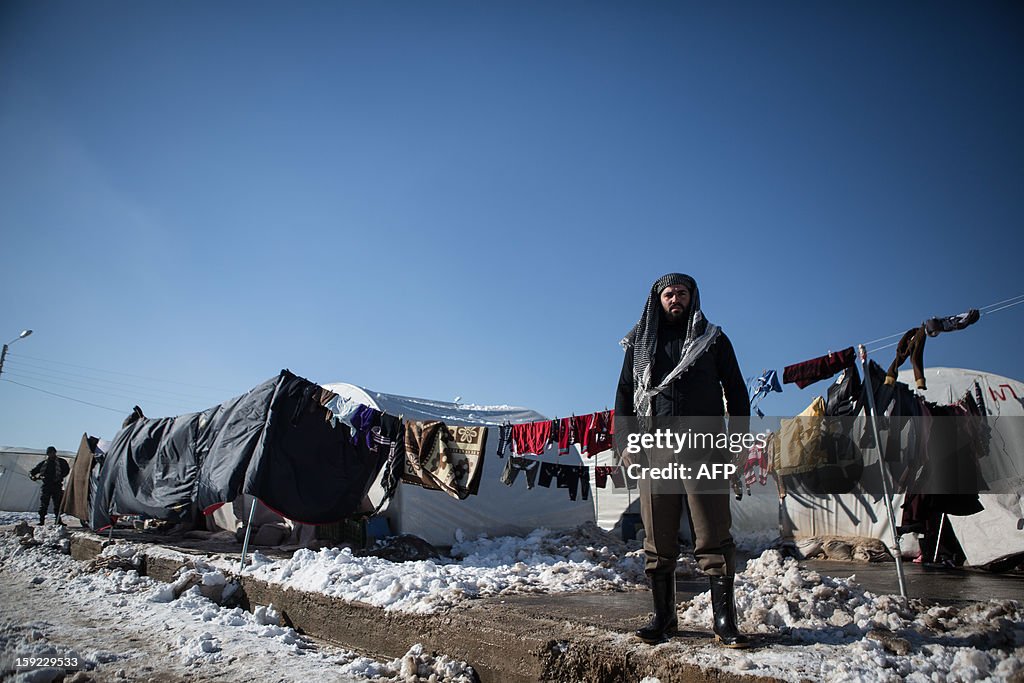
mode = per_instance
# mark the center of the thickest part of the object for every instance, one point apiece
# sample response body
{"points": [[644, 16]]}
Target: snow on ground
{"points": [[837, 631], [807, 626], [817, 627], [118, 624], [15, 517], [543, 562]]}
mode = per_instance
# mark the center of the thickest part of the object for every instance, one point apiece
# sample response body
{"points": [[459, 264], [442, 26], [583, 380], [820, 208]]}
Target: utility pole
{"points": [[3, 354]]}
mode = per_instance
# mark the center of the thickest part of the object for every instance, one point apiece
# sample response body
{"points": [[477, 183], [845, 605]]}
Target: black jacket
{"points": [[52, 471], [698, 391]]}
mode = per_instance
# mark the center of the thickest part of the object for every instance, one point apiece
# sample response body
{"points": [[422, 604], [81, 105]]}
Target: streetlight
{"points": [[3, 355]]}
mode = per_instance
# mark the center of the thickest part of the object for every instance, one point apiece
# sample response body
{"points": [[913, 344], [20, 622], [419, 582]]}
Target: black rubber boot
{"points": [[664, 622], [723, 605]]}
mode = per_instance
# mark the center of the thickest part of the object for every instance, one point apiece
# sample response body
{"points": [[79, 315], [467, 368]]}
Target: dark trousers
{"points": [[911, 346], [44, 502], [710, 524]]}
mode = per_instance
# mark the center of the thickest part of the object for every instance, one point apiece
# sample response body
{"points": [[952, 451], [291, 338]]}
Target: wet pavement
{"points": [[939, 584]]}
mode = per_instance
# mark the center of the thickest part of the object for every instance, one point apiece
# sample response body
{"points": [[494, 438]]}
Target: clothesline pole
{"points": [[886, 492], [248, 530], [938, 540]]}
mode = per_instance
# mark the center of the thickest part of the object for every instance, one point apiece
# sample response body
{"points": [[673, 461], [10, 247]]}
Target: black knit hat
{"points": [[51, 449], [673, 279]]}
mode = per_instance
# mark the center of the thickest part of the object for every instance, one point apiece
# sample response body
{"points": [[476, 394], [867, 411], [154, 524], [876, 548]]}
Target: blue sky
{"points": [[472, 199]]}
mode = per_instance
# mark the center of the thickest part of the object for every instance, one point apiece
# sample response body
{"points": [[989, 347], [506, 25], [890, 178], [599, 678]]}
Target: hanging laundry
{"points": [[570, 477], [514, 465], [800, 441], [444, 458], [363, 420], [531, 438], [390, 437], [564, 435], [755, 469], [936, 326], [76, 495], [619, 480], [761, 387], [844, 394], [554, 432], [599, 436], [342, 409], [911, 346], [602, 474], [810, 371], [581, 425], [467, 447], [504, 439], [548, 471]]}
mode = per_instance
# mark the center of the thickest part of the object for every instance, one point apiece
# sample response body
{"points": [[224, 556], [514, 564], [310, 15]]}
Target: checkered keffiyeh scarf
{"points": [[700, 334]]}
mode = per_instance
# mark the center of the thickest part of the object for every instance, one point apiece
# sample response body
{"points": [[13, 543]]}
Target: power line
{"points": [[51, 393], [126, 374], [70, 384], [71, 377], [101, 379]]}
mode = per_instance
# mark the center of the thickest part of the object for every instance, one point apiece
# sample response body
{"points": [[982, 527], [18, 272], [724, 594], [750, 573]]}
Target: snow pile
{"points": [[191, 629], [8, 518], [56, 536], [123, 550], [880, 637], [586, 559], [414, 665], [27, 640]]}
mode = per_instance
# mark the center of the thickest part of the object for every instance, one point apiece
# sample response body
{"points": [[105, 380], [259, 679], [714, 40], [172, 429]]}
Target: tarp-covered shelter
{"points": [[275, 442]]}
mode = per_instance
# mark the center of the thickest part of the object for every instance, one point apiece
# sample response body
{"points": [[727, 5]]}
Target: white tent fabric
{"points": [[18, 493], [498, 509]]}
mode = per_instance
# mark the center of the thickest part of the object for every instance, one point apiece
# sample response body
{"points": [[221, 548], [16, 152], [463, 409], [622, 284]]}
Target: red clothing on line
{"points": [[531, 438]]}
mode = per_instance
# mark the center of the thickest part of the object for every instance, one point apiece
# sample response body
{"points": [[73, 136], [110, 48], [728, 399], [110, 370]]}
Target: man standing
{"points": [[52, 472], [678, 364]]}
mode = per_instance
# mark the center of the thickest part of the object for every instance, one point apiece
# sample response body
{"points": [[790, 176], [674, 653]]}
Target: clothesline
{"points": [[809, 371], [985, 310]]}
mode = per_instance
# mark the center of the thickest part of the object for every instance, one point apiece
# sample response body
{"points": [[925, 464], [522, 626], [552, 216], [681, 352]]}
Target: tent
{"points": [[497, 509], [991, 535], [18, 493]]}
